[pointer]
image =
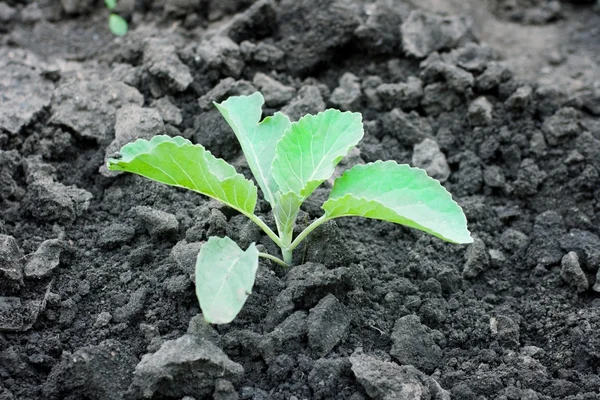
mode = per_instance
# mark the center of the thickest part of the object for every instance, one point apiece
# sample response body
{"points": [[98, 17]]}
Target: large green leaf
{"points": [[258, 140], [224, 278], [309, 151], [177, 162], [401, 194]]}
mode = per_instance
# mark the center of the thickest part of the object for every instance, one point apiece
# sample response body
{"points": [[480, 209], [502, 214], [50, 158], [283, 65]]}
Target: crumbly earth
{"points": [[500, 100]]}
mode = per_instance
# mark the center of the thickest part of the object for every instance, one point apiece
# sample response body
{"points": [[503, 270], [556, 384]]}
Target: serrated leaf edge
{"points": [[333, 200]]}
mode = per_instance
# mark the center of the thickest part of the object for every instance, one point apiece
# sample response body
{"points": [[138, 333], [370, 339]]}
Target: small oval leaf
{"points": [[398, 193], [224, 278], [117, 25]]}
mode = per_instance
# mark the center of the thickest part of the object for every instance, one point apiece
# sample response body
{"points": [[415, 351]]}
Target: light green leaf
{"points": [[258, 140], [176, 161], [110, 4], [224, 278], [401, 194], [308, 152], [286, 211], [117, 25]]}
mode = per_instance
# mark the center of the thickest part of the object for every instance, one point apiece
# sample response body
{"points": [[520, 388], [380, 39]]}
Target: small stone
{"points": [[101, 372], [414, 345], [439, 98], [327, 375], [474, 57], [53, 201], [505, 330], [102, 320], [327, 323], [477, 259], [586, 244], [221, 53], [223, 90], [24, 95], [409, 128], [495, 74], [255, 22], [494, 177], [89, 106], [201, 329], [45, 259], [379, 32], [276, 93], [168, 111], [424, 33], [185, 255], [185, 366], [521, 99], [115, 235], [457, 79], [537, 143], [308, 101], [347, 96], [406, 96], [480, 112], [158, 223], [497, 258], [596, 287], [562, 125], [167, 73], [134, 306], [572, 274], [286, 337], [514, 240], [36, 169], [6, 12], [385, 380], [224, 390], [11, 264], [427, 155], [529, 178]]}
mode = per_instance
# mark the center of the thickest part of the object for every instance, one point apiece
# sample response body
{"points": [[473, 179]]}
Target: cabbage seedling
{"points": [[117, 24], [289, 160]]}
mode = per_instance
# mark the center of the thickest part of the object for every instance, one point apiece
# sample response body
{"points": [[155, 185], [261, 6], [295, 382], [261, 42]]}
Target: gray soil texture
{"points": [[498, 99]]}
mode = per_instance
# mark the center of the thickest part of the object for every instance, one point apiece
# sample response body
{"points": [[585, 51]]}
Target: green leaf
{"points": [[110, 4], [117, 25], [258, 140], [176, 161], [224, 278], [286, 211], [401, 194], [308, 152]]}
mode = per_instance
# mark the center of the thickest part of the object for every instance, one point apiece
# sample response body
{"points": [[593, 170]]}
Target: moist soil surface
{"points": [[499, 100]]}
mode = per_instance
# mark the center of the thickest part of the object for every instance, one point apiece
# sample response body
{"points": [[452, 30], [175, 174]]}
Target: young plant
{"points": [[289, 160], [117, 24]]}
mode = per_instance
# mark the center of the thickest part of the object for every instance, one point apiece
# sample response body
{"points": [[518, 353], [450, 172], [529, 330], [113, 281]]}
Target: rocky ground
{"points": [[499, 100]]}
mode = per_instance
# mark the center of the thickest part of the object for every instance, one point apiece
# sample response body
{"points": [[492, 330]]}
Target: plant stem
{"points": [[315, 224], [287, 255], [274, 259], [266, 229]]}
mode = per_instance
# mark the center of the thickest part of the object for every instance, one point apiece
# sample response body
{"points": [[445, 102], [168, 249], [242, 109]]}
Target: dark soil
{"points": [[500, 100]]}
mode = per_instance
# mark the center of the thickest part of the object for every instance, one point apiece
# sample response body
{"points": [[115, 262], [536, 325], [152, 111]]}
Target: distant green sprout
{"points": [[289, 161], [117, 24]]}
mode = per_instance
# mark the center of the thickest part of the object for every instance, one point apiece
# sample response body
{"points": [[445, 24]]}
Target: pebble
{"points": [[327, 324], [166, 71], [276, 94], [45, 259], [187, 366], [413, 344], [428, 156], [158, 223], [480, 112], [347, 96], [477, 259], [572, 274]]}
